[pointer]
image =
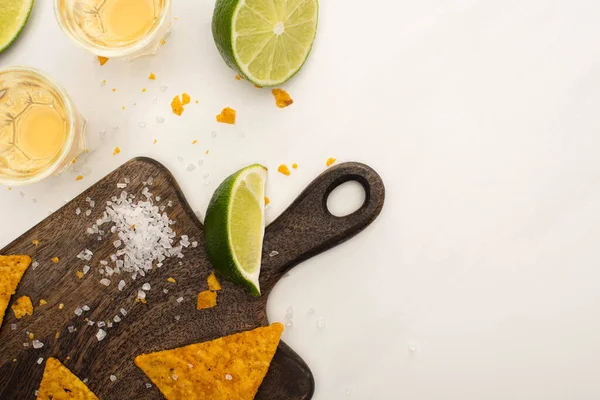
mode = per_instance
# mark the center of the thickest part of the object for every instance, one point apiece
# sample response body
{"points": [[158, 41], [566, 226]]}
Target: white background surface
{"points": [[480, 279]]}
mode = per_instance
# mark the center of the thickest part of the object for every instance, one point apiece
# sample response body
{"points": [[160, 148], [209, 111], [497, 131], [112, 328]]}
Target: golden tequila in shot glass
{"points": [[41, 133], [116, 28]]}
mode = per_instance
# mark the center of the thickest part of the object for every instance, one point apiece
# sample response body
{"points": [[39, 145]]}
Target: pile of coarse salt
{"points": [[144, 235]]}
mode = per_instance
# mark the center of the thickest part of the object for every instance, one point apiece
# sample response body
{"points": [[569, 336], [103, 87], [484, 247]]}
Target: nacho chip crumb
{"points": [[185, 99], [171, 280], [258, 87], [267, 201], [114, 89], [123, 108], [55, 260], [152, 77], [57, 335], [31, 336], [43, 302], [282, 98], [61, 306], [206, 299], [283, 169], [116, 151], [35, 242], [227, 116], [155, 141], [14, 360], [238, 77], [295, 166], [194, 141], [22, 307], [213, 282], [143, 90], [330, 161], [163, 42], [79, 274], [79, 177], [207, 151], [176, 106], [102, 60]]}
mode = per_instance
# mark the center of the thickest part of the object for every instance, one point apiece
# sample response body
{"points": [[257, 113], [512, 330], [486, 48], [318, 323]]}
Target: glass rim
{"points": [[121, 51], [70, 132]]}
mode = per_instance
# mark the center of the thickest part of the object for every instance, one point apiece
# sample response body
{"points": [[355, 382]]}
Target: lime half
{"points": [[13, 17], [234, 226], [266, 41]]}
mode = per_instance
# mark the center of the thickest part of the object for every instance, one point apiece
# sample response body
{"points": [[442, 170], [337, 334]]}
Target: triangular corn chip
{"points": [[58, 383], [231, 367], [12, 269]]}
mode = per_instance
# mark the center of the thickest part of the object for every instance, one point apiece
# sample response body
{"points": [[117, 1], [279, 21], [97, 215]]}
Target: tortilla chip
{"points": [[213, 282], [58, 383], [22, 307], [12, 269], [231, 367], [207, 299]]}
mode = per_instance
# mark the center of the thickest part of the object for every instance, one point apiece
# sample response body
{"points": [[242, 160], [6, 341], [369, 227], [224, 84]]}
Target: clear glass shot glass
{"points": [[124, 29], [41, 132]]}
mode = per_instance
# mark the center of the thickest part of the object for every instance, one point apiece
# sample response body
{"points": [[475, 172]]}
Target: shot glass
{"points": [[41, 132]]}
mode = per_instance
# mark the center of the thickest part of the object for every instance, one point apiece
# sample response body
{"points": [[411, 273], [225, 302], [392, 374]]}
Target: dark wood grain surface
{"points": [[306, 228]]}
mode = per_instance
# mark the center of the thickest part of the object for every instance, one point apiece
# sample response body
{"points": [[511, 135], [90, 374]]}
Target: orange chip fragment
{"points": [[227, 116], [177, 106], [61, 306], [185, 99], [284, 170], [267, 201], [79, 177], [194, 142], [231, 367], [31, 336], [59, 383], [55, 260], [79, 274], [143, 91], [282, 98], [213, 282], [238, 77], [206, 299], [43, 302], [295, 166], [35, 242], [330, 161], [154, 141], [152, 77], [116, 151], [22, 307], [171, 280], [102, 60]]}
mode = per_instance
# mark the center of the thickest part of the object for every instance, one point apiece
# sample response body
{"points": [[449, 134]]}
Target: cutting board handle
{"points": [[308, 228]]}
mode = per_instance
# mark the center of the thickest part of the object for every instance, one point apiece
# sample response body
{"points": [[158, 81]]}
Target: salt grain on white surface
{"points": [[101, 334], [160, 119], [320, 323]]}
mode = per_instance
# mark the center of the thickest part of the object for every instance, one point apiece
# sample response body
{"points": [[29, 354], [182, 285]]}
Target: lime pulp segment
{"points": [[13, 17]]}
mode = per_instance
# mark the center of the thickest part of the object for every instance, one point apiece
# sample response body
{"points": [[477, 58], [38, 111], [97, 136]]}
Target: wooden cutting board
{"points": [[305, 229]]}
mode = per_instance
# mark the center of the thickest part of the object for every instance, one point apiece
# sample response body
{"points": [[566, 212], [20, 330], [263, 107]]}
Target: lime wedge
{"points": [[234, 226], [266, 41], [13, 17]]}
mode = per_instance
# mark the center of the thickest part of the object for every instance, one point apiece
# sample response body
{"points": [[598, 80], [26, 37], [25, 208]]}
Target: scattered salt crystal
{"points": [[170, 204], [85, 307], [78, 311], [179, 300], [127, 180], [34, 265], [228, 377], [320, 323], [101, 324], [146, 286], [25, 344], [88, 213], [113, 378], [91, 323], [157, 198], [148, 385], [78, 211], [289, 314], [311, 311], [165, 291], [121, 285], [121, 185], [104, 282], [273, 253], [117, 243], [164, 88], [71, 329], [109, 324], [141, 295], [191, 366], [37, 392], [13, 327], [160, 119], [92, 203], [200, 162], [207, 182], [88, 199], [117, 319], [37, 344], [175, 377], [289, 324], [194, 244], [40, 360], [180, 159], [177, 317], [143, 124], [100, 335], [190, 167], [123, 312], [85, 380], [150, 181], [213, 134], [86, 269]]}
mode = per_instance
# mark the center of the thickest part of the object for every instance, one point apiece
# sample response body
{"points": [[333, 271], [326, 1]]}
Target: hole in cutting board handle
{"points": [[346, 197]]}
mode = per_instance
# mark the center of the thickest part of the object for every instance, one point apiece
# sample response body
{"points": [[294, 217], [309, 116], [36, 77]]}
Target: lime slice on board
{"points": [[234, 226], [13, 17], [266, 41]]}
